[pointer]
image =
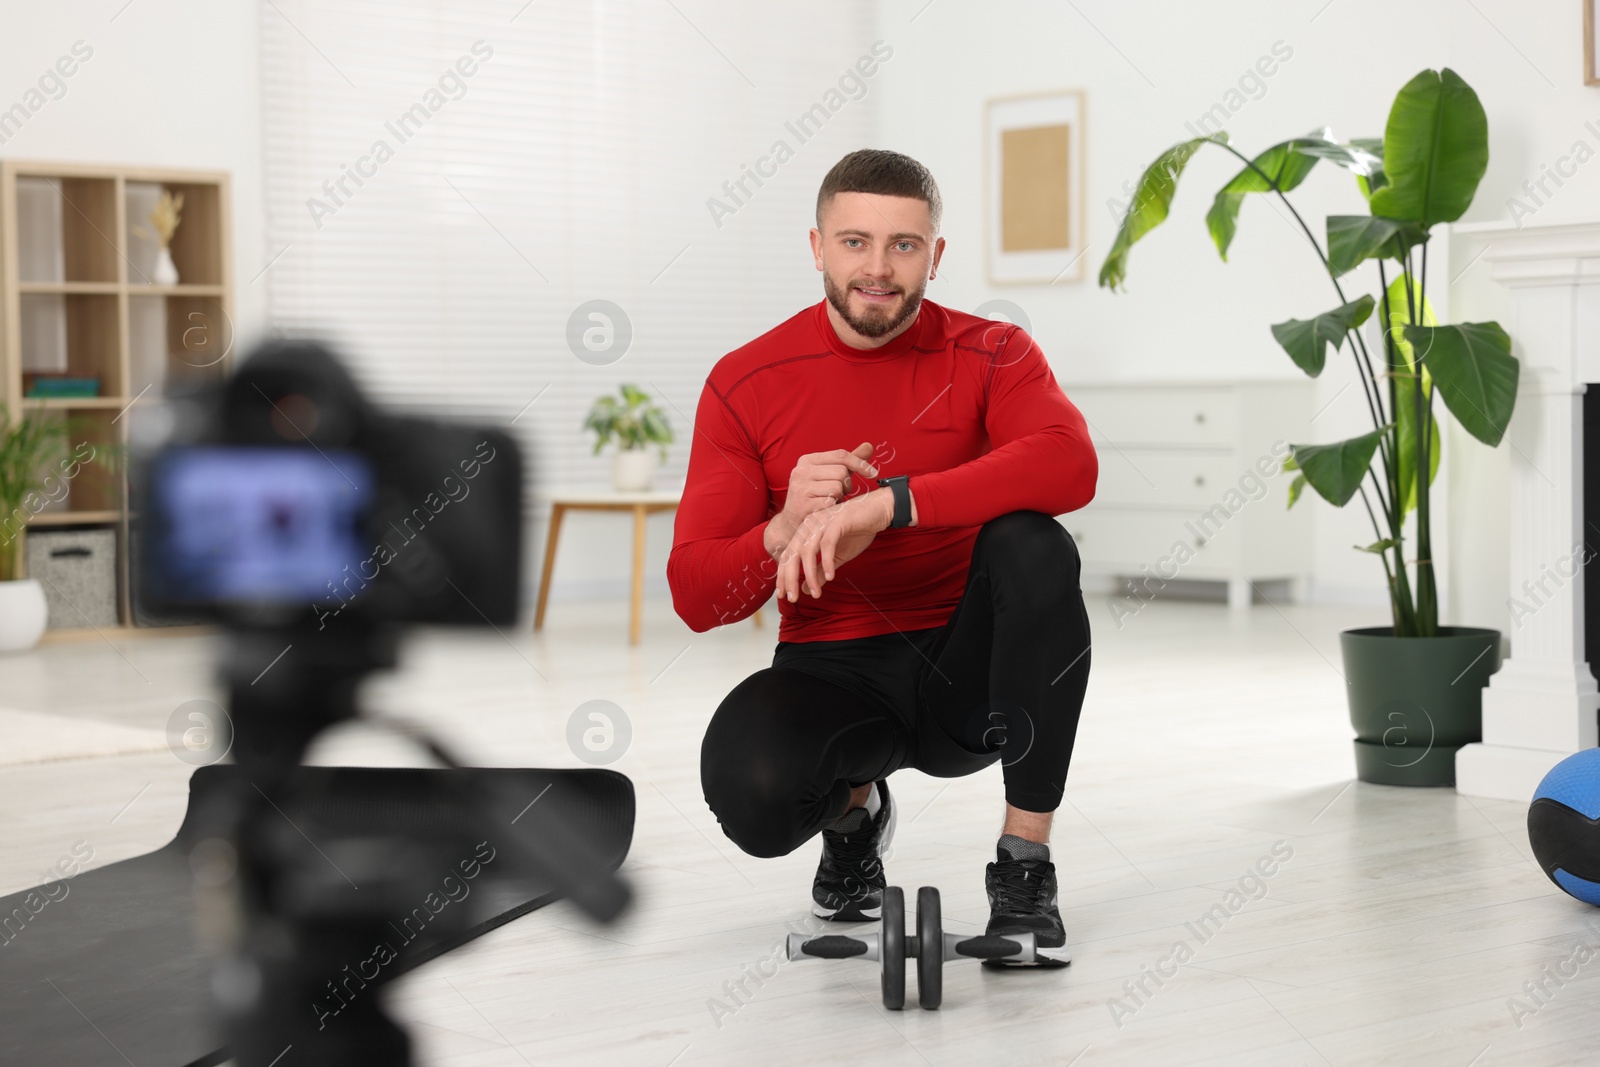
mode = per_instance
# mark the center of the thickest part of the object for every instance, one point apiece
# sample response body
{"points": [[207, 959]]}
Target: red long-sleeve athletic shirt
{"points": [[966, 406]]}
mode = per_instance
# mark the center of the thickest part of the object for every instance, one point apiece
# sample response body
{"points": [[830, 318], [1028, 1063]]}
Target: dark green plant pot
{"points": [[1415, 700]]}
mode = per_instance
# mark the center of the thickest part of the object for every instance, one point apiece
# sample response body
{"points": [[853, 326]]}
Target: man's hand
{"points": [[831, 537], [819, 480]]}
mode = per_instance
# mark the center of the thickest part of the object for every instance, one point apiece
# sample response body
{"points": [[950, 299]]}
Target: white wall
{"points": [[167, 85], [1148, 68]]}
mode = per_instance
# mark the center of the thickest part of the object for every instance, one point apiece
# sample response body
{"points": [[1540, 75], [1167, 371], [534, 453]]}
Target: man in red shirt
{"points": [[889, 468]]}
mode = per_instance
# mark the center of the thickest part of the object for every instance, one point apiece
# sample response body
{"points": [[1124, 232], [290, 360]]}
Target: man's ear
{"points": [[816, 246], [938, 253]]}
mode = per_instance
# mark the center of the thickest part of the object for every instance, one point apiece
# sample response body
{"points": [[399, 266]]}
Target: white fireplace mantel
{"points": [[1542, 704]]}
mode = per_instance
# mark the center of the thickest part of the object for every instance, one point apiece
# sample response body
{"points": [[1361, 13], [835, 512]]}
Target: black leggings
{"points": [[1003, 680]]}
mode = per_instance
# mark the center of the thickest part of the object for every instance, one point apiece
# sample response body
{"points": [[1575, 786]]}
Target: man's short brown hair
{"points": [[885, 173]]}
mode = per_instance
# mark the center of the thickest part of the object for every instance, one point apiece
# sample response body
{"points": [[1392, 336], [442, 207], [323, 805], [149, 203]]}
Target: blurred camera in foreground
{"points": [[282, 499], [315, 528]]}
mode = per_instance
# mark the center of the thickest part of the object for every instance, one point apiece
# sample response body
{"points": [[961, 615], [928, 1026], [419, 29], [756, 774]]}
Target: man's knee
{"points": [[755, 811], [1033, 548]]}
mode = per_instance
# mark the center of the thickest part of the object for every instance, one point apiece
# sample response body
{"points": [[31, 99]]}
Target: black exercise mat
{"points": [[111, 972]]}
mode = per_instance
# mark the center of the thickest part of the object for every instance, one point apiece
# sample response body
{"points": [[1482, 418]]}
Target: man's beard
{"points": [[875, 322]]}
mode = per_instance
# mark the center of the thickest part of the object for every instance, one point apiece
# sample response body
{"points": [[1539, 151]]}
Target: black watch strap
{"points": [[900, 485]]}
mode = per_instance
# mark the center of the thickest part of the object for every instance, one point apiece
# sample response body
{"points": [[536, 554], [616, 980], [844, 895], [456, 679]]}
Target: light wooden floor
{"points": [[1398, 933]]}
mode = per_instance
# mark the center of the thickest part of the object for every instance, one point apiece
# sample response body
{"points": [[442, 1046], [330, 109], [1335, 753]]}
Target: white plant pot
{"points": [[166, 271], [23, 614], [632, 469]]}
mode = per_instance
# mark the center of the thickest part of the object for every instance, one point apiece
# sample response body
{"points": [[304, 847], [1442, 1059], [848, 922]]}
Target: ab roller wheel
{"points": [[931, 947], [893, 948], [930, 965]]}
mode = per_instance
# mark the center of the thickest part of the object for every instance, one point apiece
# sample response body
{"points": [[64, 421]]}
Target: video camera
{"points": [[285, 501]]}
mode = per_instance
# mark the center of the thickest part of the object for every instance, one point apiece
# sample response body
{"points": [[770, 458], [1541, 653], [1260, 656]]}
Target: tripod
{"points": [[304, 919]]}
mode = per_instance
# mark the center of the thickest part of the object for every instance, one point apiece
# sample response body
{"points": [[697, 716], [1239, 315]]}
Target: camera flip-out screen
{"points": [[257, 525]]}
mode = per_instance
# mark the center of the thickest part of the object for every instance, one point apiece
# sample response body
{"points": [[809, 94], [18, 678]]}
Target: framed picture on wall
{"points": [[1034, 188], [1591, 26]]}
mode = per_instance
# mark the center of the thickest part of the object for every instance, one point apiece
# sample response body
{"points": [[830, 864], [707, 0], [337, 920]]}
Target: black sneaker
{"points": [[1022, 900], [849, 883]]}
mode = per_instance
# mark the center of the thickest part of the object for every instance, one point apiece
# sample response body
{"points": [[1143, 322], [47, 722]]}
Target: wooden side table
{"points": [[591, 498]]}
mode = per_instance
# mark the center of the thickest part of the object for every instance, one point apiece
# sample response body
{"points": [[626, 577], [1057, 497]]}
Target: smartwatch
{"points": [[900, 485]]}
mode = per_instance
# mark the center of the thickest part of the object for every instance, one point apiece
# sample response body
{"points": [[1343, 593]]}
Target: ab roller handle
{"points": [[930, 947]]}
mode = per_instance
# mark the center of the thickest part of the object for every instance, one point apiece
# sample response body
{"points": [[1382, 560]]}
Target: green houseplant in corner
{"points": [[1415, 687], [636, 424], [29, 446]]}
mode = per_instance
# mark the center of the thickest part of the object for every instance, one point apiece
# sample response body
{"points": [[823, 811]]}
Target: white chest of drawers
{"points": [[1191, 485]]}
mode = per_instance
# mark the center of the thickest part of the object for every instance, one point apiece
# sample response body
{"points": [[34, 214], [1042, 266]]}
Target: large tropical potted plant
{"points": [[1414, 687]]}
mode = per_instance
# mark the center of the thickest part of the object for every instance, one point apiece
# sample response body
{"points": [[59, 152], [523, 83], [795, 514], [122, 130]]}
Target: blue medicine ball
{"points": [[1564, 825]]}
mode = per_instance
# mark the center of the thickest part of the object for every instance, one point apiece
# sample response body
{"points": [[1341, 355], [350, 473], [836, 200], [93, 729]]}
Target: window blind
{"points": [[447, 182]]}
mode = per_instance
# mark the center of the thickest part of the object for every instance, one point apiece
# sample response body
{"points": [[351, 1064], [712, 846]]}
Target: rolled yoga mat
{"points": [[106, 967]]}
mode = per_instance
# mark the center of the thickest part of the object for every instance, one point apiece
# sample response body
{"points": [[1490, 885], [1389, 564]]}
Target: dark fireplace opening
{"points": [[1591, 527]]}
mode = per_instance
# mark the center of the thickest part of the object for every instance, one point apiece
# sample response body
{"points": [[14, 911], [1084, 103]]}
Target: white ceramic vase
{"points": [[632, 469], [23, 614], [166, 271]]}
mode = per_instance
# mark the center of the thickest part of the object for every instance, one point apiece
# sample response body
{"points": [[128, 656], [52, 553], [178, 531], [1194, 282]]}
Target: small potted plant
{"points": [[28, 449], [636, 424], [1409, 713]]}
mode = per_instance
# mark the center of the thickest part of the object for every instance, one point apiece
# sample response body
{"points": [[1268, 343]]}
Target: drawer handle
{"points": [[61, 553]]}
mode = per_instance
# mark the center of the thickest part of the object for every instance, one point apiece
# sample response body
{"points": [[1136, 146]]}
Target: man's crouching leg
{"points": [[1013, 671], [782, 754]]}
